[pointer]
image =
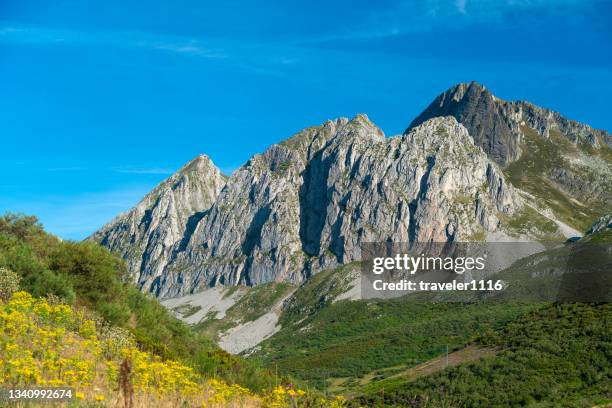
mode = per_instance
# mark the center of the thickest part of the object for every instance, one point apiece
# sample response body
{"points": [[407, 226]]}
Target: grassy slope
{"points": [[529, 222], [556, 356], [555, 353], [87, 275], [344, 346], [350, 339], [531, 173]]}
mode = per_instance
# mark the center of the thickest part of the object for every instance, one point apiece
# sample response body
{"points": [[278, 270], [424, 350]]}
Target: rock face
{"points": [[545, 154], [163, 220], [479, 111], [308, 203], [602, 224], [495, 124]]}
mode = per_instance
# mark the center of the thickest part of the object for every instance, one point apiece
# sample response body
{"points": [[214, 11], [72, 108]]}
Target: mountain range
{"points": [[471, 167]]}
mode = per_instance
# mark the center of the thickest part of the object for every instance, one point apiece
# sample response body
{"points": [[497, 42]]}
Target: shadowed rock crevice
{"points": [[313, 200], [253, 233], [190, 226], [412, 206]]}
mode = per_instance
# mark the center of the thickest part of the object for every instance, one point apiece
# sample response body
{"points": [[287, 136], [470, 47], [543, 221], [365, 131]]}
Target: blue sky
{"points": [[101, 100]]}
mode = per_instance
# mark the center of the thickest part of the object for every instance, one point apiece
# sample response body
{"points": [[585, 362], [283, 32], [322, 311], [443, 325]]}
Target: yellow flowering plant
{"points": [[45, 343]]}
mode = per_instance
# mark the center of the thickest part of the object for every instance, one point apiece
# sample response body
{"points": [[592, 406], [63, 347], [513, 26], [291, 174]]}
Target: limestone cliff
{"points": [[308, 203], [163, 220]]}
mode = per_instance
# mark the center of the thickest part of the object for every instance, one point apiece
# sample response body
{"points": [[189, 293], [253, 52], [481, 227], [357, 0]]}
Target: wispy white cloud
{"points": [[171, 44], [67, 168], [406, 17], [153, 170], [461, 4], [246, 56], [190, 49], [275, 57]]}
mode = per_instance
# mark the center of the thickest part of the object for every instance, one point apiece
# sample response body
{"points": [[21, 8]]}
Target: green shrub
{"points": [[9, 283], [50, 283], [95, 273], [89, 275]]}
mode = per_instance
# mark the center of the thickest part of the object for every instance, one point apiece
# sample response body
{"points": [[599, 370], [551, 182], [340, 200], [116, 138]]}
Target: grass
{"points": [[467, 354], [603, 152], [477, 236], [349, 339], [540, 156], [555, 356], [328, 343], [317, 293], [88, 275], [187, 310], [602, 237], [529, 221]]}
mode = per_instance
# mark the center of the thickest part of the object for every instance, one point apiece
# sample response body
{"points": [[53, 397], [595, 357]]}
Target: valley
{"points": [[255, 279]]}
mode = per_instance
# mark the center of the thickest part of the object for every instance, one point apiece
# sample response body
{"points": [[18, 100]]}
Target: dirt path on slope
{"points": [[465, 355]]}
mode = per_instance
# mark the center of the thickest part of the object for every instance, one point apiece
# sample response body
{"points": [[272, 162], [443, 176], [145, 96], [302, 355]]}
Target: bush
{"points": [[87, 274], [9, 284], [96, 274], [49, 283]]}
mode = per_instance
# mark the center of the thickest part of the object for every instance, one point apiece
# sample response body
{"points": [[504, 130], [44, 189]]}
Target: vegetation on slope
{"points": [[347, 340], [55, 345], [87, 328], [380, 348], [85, 274], [50, 344], [256, 302], [532, 172], [556, 356]]}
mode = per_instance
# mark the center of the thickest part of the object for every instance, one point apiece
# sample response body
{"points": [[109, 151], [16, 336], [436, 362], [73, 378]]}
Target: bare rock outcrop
{"points": [[163, 220], [308, 203]]}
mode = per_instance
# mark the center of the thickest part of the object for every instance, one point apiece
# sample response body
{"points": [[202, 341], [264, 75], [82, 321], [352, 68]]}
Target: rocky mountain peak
{"points": [[497, 125], [464, 89], [477, 109], [308, 203], [364, 127], [147, 234]]}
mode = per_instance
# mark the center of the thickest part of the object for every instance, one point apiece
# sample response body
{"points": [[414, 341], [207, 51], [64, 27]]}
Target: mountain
{"points": [[163, 220], [306, 204], [544, 154], [496, 125], [267, 261], [470, 167]]}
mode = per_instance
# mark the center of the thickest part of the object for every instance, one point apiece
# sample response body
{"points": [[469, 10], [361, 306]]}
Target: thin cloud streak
{"points": [[171, 44], [407, 17], [161, 171]]}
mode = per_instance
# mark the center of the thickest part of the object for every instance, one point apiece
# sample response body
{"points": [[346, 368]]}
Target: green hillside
{"points": [[333, 345], [390, 352], [542, 157], [86, 274], [556, 356]]}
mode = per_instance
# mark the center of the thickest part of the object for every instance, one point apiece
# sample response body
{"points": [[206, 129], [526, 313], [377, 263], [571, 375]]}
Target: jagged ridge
{"points": [[163, 220], [307, 204]]}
